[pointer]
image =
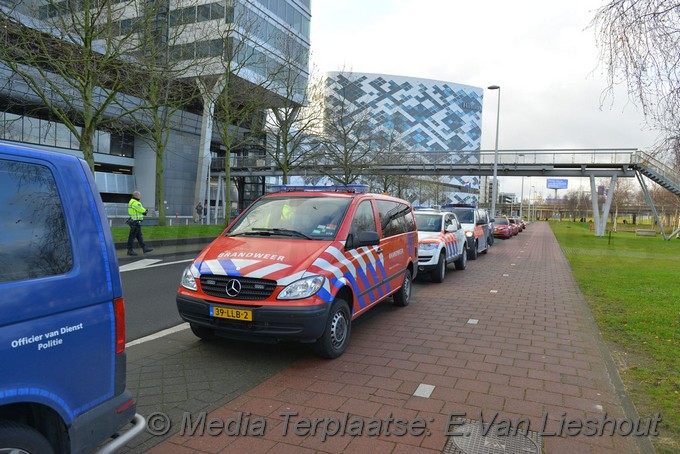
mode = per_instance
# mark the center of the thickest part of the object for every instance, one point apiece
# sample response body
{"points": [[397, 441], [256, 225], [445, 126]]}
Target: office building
{"points": [[190, 30]]}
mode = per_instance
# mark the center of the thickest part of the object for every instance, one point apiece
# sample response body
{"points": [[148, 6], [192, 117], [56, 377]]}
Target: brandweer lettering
{"points": [[396, 253], [249, 255]]}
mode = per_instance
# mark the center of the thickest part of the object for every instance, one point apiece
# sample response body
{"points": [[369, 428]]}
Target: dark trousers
{"points": [[135, 232]]}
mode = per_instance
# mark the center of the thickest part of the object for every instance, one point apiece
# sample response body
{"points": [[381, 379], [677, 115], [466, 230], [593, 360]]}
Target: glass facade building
{"points": [[267, 32], [425, 115]]}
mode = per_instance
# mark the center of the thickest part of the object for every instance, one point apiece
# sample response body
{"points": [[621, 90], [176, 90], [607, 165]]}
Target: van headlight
{"points": [[188, 279], [428, 246], [302, 288], [468, 233]]}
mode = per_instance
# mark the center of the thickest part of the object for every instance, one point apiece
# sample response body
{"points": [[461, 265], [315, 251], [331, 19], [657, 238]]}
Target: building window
{"points": [[122, 145]]}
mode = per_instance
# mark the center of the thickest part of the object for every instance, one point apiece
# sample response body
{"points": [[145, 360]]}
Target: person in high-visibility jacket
{"points": [[283, 221], [136, 211]]}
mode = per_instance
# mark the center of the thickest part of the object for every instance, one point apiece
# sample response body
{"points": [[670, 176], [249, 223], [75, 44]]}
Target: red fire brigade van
{"points": [[301, 264]]}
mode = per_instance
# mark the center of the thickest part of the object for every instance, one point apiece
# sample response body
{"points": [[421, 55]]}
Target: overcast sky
{"points": [[541, 53]]}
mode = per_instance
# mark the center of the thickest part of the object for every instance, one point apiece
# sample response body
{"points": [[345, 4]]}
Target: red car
{"points": [[522, 224], [513, 225], [501, 228]]}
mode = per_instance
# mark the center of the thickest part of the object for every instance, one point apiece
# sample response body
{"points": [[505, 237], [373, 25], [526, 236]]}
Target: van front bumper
{"points": [[269, 323]]}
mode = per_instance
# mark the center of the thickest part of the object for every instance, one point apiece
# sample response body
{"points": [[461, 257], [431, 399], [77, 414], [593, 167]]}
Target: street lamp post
{"points": [[494, 191], [521, 195], [521, 200]]}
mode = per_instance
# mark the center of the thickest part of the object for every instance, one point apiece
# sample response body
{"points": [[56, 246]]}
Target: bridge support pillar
{"points": [[653, 207], [601, 218]]}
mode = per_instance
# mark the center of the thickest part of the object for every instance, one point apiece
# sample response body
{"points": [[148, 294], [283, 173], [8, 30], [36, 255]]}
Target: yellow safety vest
{"points": [[136, 210]]}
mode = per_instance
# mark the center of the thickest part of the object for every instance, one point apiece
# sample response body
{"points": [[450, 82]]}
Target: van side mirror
{"points": [[367, 238]]}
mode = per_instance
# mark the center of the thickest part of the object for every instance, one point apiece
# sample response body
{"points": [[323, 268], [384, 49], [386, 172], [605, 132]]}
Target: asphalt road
{"points": [[149, 293], [178, 374]]}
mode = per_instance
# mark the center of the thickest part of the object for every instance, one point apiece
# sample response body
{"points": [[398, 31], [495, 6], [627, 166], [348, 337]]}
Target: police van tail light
{"points": [[119, 315]]}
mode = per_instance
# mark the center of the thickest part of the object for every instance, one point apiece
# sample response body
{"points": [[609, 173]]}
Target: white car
{"points": [[441, 240]]}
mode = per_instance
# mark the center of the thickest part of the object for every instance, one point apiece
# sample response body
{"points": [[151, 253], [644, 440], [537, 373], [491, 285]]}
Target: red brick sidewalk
{"points": [[533, 353]]}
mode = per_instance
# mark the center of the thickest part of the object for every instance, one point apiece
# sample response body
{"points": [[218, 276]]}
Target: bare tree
{"points": [[241, 85], [390, 151], [347, 139], [623, 196], [72, 57], [294, 122], [162, 86], [639, 42]]}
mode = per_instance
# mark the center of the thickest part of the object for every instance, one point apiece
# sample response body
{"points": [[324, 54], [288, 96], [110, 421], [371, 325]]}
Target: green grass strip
{"points": [[155, 232], [632, 284]]}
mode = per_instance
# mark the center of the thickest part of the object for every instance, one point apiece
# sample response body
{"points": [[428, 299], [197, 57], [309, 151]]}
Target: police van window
{"points": [[34, 241], [364, 219], [465, 215], [481, 217]]}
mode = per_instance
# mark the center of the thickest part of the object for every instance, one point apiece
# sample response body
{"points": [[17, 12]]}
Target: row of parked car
{"points": [[451, 234], [508, 226]]}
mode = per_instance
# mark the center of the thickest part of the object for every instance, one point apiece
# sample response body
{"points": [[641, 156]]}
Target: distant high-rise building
{"points": [[426, 116]]}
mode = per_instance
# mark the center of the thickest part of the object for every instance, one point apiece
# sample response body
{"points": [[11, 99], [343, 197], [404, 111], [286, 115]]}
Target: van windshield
{"points": [[317, 218], [465, 216]]}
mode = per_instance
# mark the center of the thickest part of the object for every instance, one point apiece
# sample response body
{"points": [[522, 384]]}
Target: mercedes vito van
{"points": [[301, 264]]}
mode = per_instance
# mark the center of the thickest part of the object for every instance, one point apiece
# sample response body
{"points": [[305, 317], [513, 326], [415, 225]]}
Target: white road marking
{"points": [[149, 263], [138, 264], [158, 335]]}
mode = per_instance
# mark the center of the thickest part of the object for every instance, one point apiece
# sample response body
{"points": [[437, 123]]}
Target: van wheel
{"points": [[439, 273], [461, 263], [403, 295], [21, 438], [203, 332], [473, 251], [335, 337]]}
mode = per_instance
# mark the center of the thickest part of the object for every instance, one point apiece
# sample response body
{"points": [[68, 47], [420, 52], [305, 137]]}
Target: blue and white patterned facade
{"points": [[427, 115]]}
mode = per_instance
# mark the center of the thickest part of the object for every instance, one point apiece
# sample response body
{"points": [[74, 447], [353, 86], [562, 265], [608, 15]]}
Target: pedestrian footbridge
{"points": [[594, 163]]}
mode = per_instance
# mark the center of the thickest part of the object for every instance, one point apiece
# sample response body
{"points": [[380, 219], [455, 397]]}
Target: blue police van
{"points": [[62, 316]]}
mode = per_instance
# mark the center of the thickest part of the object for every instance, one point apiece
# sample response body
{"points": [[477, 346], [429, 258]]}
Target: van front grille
{"points": [[237, 288]]}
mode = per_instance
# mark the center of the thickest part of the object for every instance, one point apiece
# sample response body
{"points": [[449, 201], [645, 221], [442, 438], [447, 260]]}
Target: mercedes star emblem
{"points": [[233, 288]]}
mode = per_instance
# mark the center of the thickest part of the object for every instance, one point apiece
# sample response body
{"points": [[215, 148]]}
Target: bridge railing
{"points": [[486, 157], [658, 167], [557, 157]]}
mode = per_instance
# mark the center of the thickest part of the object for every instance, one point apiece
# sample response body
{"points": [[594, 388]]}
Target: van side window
{"points": [[364, 219], [481, 217], [410, 221], [34, 241], [395, 218]]}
